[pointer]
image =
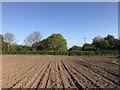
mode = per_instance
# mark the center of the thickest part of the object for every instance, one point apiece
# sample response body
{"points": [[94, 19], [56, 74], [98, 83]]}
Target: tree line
{"points": [[56, 44]]}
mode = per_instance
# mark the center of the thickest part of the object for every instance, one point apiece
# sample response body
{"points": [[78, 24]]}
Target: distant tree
{"points": [[88, 47], [75, 48], [100, 43], [1, 37], [111, 40], [104, 44], [54, 42], [96, 42], [39, 45], [33, 38], [108, 42], [117, 44], [9, 39], [1, 41]]}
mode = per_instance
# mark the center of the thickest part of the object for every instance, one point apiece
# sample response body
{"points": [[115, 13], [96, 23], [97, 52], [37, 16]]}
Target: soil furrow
{"points": [[76, 72], [36, 79], [72, 77], [42, 76], [35, 76], [113, 79], [85, 82], [23, 76], [68, 83], [112, 70], [98, 79], [112, 76], [45, 78]]}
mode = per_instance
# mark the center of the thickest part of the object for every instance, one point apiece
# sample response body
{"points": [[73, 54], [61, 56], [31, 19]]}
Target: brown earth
{"points": [[29, 71]]}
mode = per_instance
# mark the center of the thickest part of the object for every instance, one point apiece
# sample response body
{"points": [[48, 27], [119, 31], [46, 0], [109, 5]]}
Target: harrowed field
{"points": [[33, 71]]}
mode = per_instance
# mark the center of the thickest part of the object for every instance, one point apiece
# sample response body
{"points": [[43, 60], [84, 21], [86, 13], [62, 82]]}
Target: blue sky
{"points": [[73, 20]]}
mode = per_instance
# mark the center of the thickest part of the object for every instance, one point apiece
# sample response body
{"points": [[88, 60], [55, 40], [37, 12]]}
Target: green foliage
{"points": [[1, 40], [111, 41], [107, 43], [75, 48], [55, 42], [88, 47], [39, 45]]}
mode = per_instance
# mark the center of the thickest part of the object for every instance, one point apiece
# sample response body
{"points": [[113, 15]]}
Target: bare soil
{"points": [[30, 71]]}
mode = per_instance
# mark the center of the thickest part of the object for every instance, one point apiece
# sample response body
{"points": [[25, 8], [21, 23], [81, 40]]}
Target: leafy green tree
{"points": [[88, 47], [39, 45], [104, 44], [1, 41], [54, 42], [111, 41], [117, 44], [100, 43], [108, 42], [1, 37], [75, 48], [96, 42]]}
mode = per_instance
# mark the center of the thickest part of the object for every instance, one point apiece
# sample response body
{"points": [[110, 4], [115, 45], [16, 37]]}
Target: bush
{"points": [[70, 53]]}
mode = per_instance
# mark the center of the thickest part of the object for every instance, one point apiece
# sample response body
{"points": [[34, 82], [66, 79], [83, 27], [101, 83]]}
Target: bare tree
{"points": [[9, 38], [33, 38]]}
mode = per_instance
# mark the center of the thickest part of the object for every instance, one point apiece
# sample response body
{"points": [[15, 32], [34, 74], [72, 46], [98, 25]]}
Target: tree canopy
{"points": [[54, 42], [75, 48], [108, 42]]}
